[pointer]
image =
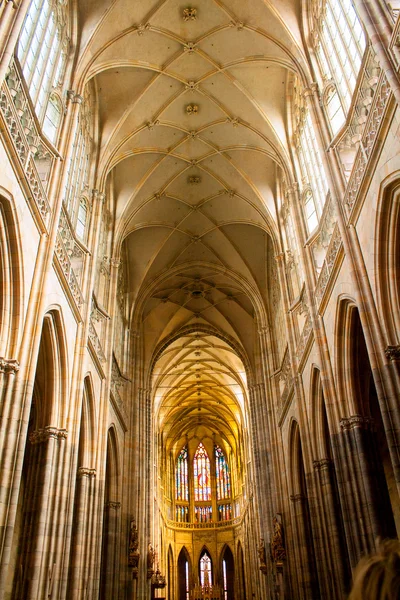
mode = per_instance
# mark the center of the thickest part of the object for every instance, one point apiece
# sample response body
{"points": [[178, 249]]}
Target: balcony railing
{"points": [[30, 148]]}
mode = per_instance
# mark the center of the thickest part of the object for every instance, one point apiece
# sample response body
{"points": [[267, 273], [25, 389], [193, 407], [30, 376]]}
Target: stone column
{"points": [[336, 575], [111, 522], [79, 560], [39, 567], [358, 486], [304, 567]]}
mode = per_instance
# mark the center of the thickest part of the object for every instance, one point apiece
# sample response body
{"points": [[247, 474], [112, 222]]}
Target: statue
{"points": [[262, 556], [261, 551], [151, 557], [133, 553], [278, 552]]}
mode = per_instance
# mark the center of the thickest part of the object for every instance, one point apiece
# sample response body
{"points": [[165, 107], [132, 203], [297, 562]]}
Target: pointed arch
{"points": [[11, 278], [241, 572], [185, 575], [227, 571], [170, 573], [206, 572], [387, 256], [111, 520]]}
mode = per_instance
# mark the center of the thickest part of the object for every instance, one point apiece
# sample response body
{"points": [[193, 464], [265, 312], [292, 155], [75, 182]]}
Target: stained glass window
{"points": [[182, 487], [205, 570], [201, 474], [222, 475], [224, 512], [203, 514]]}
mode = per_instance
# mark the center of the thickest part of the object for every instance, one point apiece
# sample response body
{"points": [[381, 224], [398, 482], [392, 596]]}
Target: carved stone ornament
{"points": [[392, 352], [192, 109], [278, 551], [151, 557], [133, 553], [158, 580], [356, 422], [262, 557], [189, 14], [47, 433], [8, 365]]}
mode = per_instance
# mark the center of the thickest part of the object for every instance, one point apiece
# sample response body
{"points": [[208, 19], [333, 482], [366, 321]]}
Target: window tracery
{"points": [[201, 475], [76, 197], [312, 171], [340, 43], [42, 52]]}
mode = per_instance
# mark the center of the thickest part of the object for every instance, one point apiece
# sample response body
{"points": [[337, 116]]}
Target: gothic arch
{"points": [[51, 378], [387, 256], [111, 520], [241, 580], [11, 278], [185, 575], [88, 422], [319, 425], [301, 517], [344, 330], [206, 552], [227, 571]]}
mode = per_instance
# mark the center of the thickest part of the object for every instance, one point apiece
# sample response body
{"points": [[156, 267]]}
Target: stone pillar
{"points": [[358, 485], [111, 522], [335, 572], [79, 559], [303, 543], [39, 569]]}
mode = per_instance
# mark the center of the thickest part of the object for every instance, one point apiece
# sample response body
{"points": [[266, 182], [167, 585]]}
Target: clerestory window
{"points": [[42, 51], [340, 48]]}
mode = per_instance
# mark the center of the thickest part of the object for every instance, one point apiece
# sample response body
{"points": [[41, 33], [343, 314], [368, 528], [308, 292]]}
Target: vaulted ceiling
{"points": [[192, 101]]}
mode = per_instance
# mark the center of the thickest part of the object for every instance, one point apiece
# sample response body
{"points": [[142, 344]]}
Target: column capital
{"points": [[86, 472], [297, 498], [113, 505], [392, 352], [322, 465], [46, 433], [8, 365], [356, 422]]}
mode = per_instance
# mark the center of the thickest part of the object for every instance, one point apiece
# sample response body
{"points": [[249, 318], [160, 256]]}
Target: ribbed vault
{"points": [[193, 131]]}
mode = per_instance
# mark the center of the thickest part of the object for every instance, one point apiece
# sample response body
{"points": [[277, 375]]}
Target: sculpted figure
{"points": [[278, 551]]}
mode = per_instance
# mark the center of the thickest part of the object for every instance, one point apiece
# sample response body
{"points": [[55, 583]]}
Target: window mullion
{"points": [[40, 43]]}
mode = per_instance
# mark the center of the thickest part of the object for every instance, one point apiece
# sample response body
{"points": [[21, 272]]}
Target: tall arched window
{"points": [[42, 52], [182, 487], [223, 485], [223, 482], [76, 197], [311, 167], [340, 45], [202, 475], [182, 484], [205, 570]]}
